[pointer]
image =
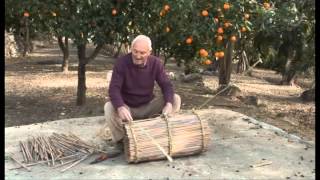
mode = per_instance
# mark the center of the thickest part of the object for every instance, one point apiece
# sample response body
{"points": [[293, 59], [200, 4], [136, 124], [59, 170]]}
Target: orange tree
{"points": [[50, 18], [82, 21], [200, 32], [96, 21], [286, 37], [20, 21]]}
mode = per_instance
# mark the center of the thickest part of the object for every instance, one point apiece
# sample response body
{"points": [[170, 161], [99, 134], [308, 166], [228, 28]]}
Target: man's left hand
{"points": [[167, 109]]}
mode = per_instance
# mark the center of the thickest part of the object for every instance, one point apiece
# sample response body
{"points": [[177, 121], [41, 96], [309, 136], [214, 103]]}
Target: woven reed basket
{"points": [[181, 135]]}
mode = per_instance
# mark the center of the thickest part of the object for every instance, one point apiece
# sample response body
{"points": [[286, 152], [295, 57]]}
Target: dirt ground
{"points": [[37, 91]]}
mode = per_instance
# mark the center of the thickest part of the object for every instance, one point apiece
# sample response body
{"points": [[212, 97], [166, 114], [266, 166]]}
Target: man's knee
{"points": [[177, 99], [108, 108], [176, 102]]}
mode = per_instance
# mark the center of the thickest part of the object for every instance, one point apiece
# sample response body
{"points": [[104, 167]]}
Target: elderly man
{"points": [[131, 88]]}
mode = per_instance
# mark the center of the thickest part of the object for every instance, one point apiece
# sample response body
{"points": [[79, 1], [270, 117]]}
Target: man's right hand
{"points": [[124, 114]]}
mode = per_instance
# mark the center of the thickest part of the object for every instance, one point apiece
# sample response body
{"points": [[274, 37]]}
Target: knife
{"points": [[105, 156]]}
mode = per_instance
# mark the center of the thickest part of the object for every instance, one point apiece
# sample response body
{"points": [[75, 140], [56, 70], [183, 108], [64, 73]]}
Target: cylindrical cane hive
{"points": [[180, 135]]}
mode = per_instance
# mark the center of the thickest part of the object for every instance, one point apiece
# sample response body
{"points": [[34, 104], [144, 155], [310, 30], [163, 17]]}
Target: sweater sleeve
{"points": [[117, 79], [164, 83]]}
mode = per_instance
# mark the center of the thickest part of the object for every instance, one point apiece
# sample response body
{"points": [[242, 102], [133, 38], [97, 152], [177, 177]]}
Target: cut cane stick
{"points": [[77, 162], [20, 163], [42, 162]]}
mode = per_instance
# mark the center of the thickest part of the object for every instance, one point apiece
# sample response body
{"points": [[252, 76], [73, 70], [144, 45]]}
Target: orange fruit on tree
{"points": [[203, 53], [114, 12], [233, 38], [219, 38], [220, 30], [216, 54], [243, 29], [246, 16], [266, 5], [167, 29], [162, 12], [221, 54], [189, 40], [207, 62], [26, 14], [227, 24], [166, 7], [204, 13], [226, 6]]}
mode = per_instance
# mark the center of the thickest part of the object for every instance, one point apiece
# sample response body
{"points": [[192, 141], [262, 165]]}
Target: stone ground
{"points": [[237, 143]]}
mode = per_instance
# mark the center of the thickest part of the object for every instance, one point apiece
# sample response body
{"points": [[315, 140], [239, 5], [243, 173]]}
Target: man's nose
{"points": [[139, 56]]}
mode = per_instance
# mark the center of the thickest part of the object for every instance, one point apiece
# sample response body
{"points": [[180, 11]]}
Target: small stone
{"points": [[237, 170], [168, 165], [263, 159], [173, 166], [80, 172], [287, 177], [301, 157], [301, 175], [190, 174]]}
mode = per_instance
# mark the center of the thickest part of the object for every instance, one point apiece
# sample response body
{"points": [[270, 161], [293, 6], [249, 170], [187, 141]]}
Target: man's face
{"points": [[140, 52]]}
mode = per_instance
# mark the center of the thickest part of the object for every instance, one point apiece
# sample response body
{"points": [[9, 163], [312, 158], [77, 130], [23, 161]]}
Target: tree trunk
{"points": [[243, 63], [187, 68], [118, 51], [26, 38], [225, 65], [166, 57], [83, 61], [289, 75], [289, 78], [81, 92], [65, 50]]}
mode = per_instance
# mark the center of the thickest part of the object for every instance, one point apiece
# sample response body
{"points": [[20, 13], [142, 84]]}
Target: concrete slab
{"points": [[237, 143]]}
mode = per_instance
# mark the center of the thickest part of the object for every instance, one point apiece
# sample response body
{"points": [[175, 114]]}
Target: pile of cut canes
{"points": [[56, 151]]}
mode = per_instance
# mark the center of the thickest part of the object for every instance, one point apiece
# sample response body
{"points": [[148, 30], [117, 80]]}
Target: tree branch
{"points": [[61, 44], [94, 53]]}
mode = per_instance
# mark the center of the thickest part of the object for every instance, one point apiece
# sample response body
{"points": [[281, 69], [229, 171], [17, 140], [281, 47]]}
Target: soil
{"points": [[37, 91]]}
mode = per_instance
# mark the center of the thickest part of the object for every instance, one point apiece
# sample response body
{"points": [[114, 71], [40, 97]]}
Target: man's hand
{"points": [[124, 114], [167, 109]]}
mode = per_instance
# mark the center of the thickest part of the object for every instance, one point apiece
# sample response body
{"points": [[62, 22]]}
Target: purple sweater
{"points": [[133, 85]]}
